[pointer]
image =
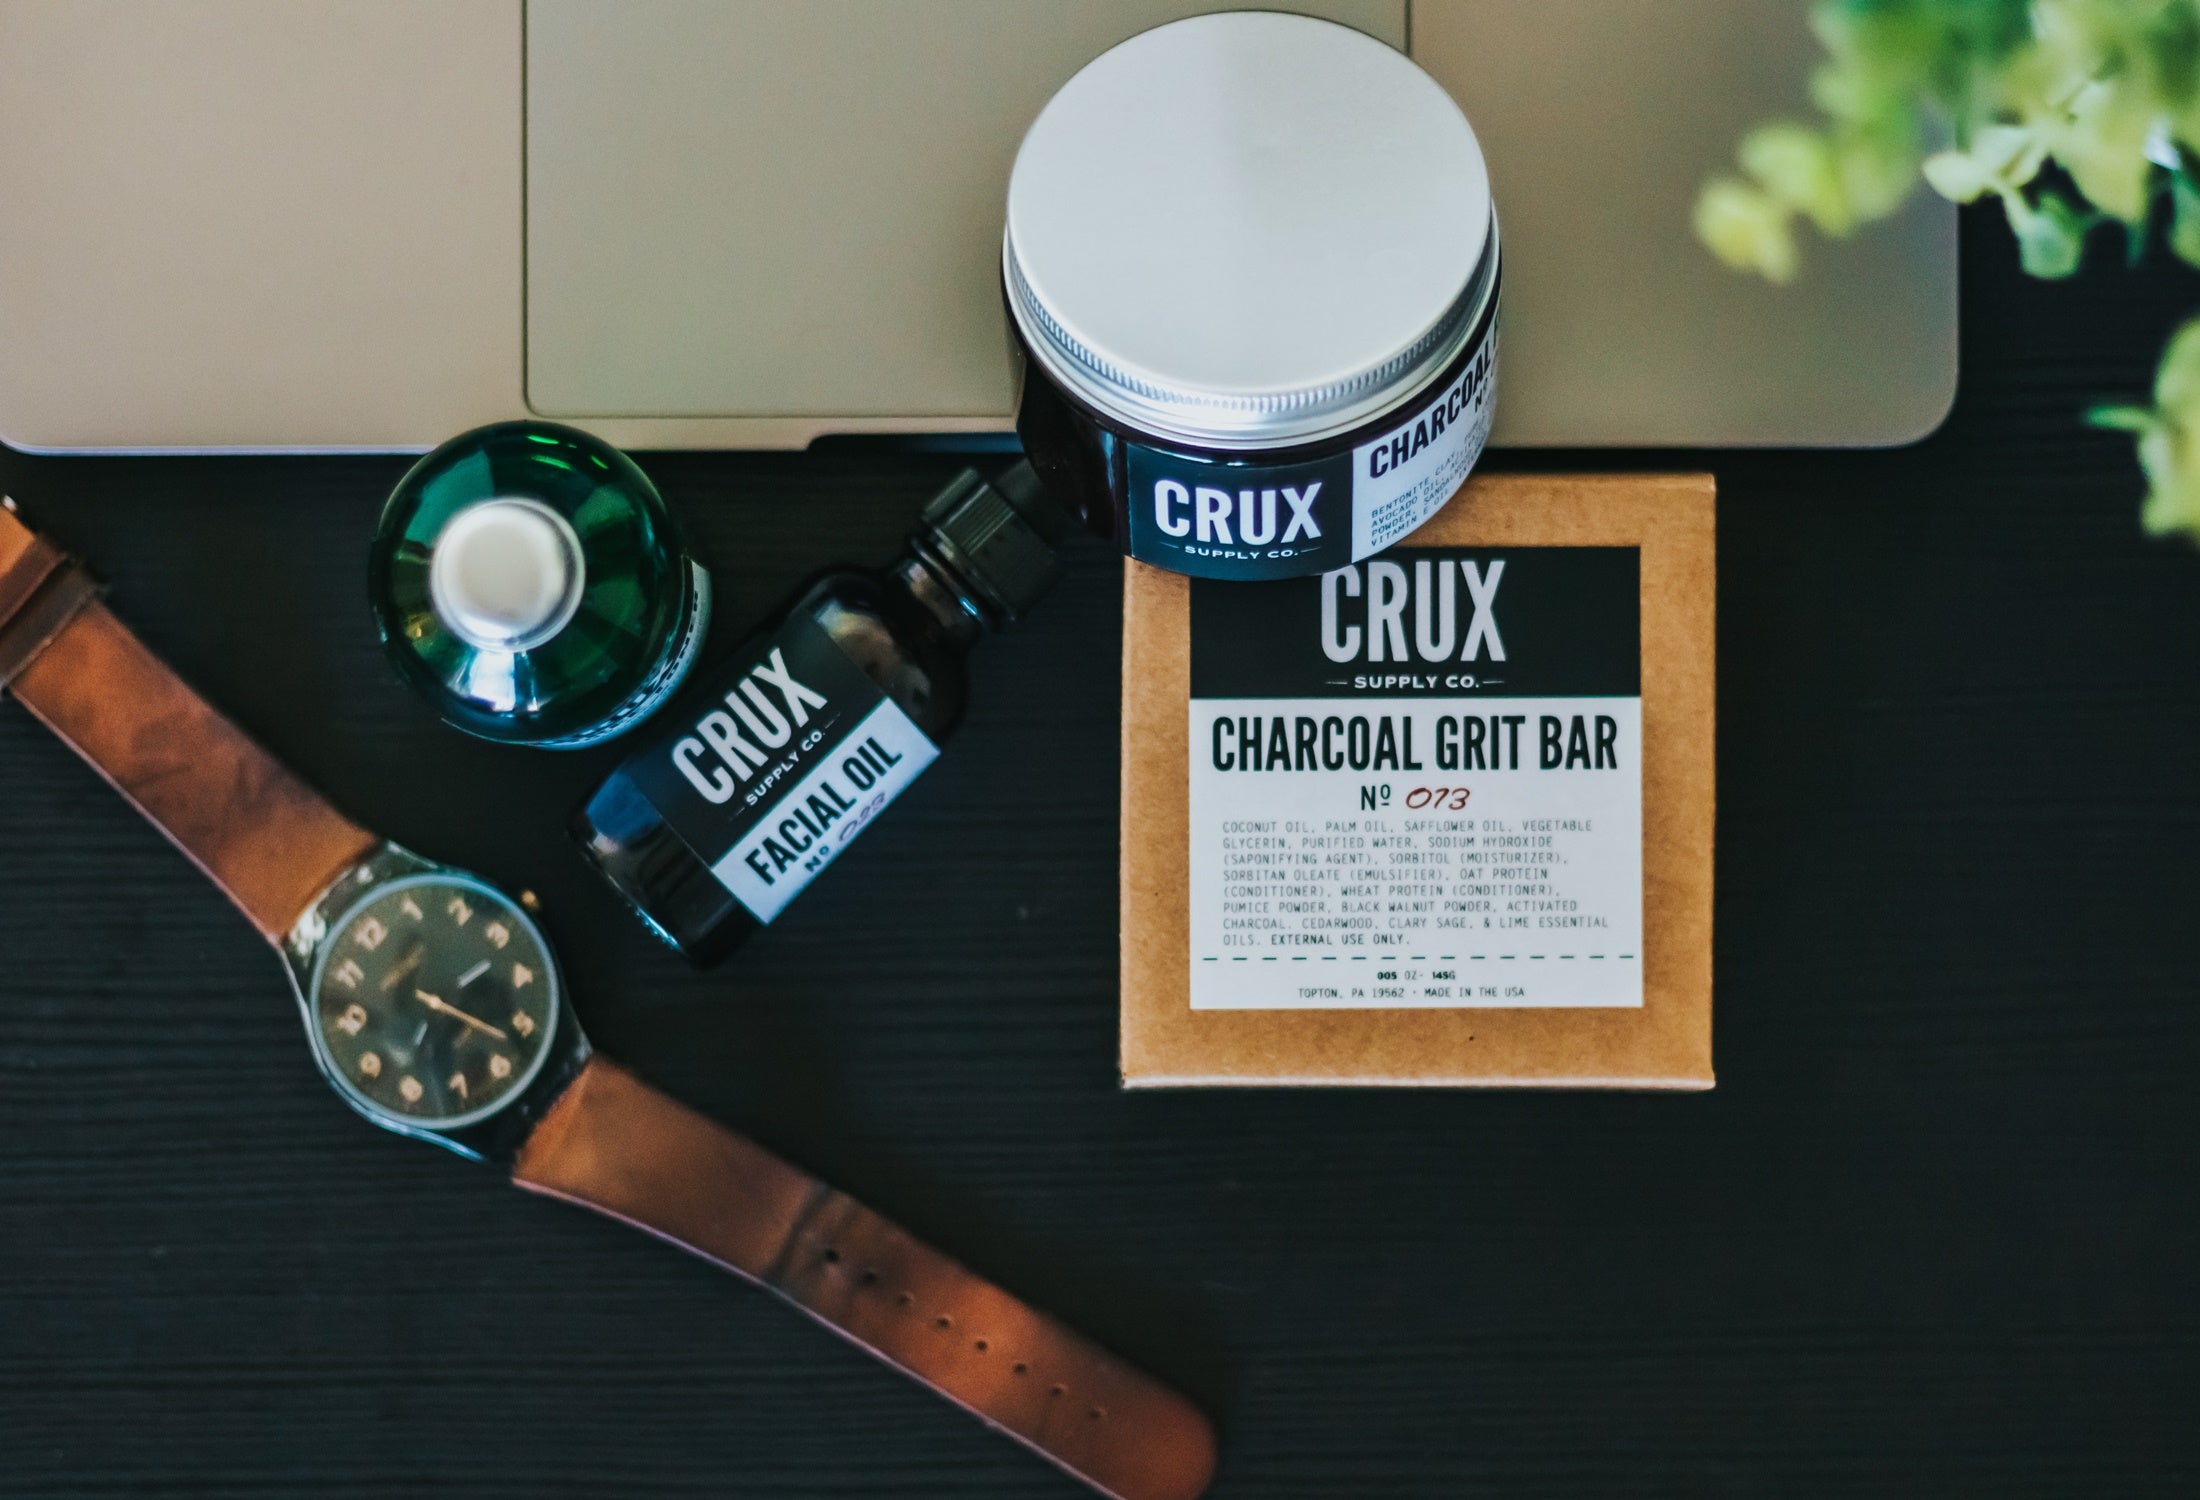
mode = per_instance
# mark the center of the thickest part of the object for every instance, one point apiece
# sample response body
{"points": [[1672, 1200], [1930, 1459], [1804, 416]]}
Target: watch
{"points": [[435, 1007]]}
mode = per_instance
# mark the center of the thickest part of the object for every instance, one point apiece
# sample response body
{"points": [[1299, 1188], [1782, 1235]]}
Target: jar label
{"points": [[1221, 518], [793, 759]]}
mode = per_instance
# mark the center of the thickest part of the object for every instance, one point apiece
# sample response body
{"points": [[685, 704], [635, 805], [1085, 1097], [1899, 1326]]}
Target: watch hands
{"points": [[404, 967], [437, 1002], [473, 973]]}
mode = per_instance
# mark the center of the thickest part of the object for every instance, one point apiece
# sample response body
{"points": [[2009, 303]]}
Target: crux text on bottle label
{"points": [[771, 781]]}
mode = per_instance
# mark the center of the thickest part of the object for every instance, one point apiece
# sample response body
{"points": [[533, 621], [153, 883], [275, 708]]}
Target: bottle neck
{"points": [[940, 596]]}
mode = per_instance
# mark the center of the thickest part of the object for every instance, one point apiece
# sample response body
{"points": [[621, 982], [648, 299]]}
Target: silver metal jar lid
{"points": [[1249, 229]]}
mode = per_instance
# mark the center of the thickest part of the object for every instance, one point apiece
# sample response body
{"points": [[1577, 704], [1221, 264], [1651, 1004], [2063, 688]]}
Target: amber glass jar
{"points": [[1251, 264]]}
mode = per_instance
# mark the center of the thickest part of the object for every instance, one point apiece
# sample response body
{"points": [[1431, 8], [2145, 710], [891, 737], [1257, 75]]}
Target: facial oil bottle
{"points": [[780, 754]]}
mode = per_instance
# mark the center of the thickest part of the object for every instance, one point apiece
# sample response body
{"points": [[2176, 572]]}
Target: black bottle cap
{"points": [[998, 536]]}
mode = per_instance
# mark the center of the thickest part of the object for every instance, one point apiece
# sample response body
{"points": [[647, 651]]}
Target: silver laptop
{"points": [[281, 225]]}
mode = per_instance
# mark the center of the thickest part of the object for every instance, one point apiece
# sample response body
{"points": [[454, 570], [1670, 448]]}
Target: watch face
{"points": [[433, 1001]]}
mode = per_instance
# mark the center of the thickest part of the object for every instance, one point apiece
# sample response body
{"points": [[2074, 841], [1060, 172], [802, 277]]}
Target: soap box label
{"points": [[1219, 518], [1417, 782], [795, 758]]}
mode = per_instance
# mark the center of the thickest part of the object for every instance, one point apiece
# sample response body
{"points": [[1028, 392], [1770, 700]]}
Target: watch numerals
{"points": [[415, 1028]]}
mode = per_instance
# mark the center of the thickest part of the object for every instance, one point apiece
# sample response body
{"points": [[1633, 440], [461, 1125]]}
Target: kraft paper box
{"points": [[1441, 818]]}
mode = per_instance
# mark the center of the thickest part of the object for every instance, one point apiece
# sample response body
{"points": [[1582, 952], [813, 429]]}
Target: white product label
{"points": [[1417, 782], [1215, 516], [1383, 886], [789, 755], [1405, 476], [808, 825]]}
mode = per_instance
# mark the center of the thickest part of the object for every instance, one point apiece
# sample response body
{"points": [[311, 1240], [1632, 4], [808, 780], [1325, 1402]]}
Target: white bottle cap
{"points": [[506, 575]]}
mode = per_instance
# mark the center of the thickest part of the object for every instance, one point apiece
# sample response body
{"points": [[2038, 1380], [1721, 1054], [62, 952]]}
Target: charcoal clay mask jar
{"points": [[1252, 267]]}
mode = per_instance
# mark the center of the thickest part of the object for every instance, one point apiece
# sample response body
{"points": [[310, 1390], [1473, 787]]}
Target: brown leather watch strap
{"points": [[265, 837], [616, 1145]]}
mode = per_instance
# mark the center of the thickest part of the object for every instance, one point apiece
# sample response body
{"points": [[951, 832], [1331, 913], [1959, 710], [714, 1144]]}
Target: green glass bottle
{"points": [[532, 585]]}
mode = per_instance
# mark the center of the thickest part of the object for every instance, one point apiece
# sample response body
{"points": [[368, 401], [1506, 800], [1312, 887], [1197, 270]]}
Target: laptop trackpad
{"points": [[761, 209]]}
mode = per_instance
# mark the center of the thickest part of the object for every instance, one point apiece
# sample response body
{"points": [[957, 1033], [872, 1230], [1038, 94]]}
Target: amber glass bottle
{"points": [[778, 755]]}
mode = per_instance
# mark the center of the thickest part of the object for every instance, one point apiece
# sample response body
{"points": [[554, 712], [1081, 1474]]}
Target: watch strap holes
{"points": [[871, 1278]]}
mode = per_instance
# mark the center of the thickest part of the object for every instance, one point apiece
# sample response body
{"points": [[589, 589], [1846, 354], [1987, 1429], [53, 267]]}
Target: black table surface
{"points": [[1934, 1232]]}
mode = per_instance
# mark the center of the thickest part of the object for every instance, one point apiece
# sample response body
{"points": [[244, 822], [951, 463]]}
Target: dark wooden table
{"points": [[1935, 1232]]}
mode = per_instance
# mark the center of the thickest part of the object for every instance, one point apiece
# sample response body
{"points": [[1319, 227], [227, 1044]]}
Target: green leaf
{"points": [[1748, 229], [2103, 146], [2177, 378], [2167, 433], [1796, 167], [1956, 176], [1878, 169], [2050, 233], [2123, 418], [2000, 156], [2173, 491], [2184, 223]]}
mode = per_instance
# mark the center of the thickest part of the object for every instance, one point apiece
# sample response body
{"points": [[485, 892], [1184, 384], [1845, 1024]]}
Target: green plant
{"points": [[1978, 98]]}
